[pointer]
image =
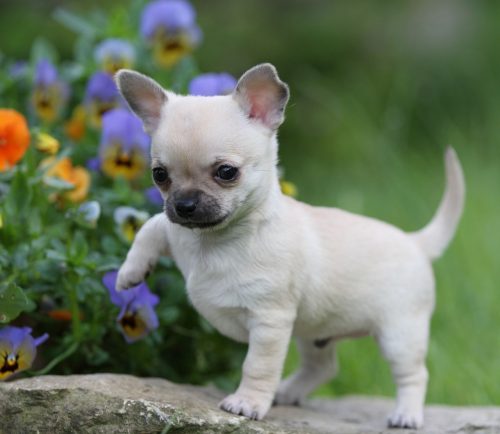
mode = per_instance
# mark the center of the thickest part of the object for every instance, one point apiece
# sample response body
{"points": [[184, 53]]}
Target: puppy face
{"points": [[207, 160], [213, 158]]}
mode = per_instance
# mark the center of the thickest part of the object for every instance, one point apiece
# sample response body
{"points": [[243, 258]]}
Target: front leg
{"points": [[149, 244], [269, 336]]}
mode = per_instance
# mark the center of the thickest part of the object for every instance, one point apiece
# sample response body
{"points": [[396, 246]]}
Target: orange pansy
{"points": [[75, 127], [14, 138], [81, 180], [77, 176]]}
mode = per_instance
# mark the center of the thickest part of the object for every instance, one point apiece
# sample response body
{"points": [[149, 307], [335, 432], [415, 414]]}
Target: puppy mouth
{"points": [[202, 225], [193, 224]]}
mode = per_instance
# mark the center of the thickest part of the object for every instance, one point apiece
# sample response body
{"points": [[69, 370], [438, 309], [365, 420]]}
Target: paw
{"points": [[130, 276], [289, 393], [406, 419], [245, 406]]}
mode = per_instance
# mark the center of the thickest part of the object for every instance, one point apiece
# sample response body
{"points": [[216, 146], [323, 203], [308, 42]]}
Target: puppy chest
{"points": [[225, 288], [225, 282], [229, 278], [224, 298]]}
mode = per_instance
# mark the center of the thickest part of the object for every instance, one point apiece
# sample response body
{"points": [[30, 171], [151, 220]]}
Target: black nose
{"points": [[185, 207]]}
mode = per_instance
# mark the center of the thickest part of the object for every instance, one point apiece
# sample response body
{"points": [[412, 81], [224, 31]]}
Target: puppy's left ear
{"points": [[144, 96], [262, 95]]}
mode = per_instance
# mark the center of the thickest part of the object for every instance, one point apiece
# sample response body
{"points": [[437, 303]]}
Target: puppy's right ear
{"points": [[144, 96]]}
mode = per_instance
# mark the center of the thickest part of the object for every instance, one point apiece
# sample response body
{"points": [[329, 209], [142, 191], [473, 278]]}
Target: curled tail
{"points": [[435, 237]]}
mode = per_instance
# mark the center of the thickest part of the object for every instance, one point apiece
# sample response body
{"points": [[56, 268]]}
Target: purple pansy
{"points": [[153, 195], [169, 25], [45, 73], [114, 54], [170, 15], [124, 147], [101, 87], [17, 349], [93, 164], [122, 126], [212, 84], [137, 317], [101, 95], [49, 92]]}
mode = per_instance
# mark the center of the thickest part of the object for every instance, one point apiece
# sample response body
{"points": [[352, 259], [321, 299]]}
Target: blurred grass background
{"points": [[378, 90]]}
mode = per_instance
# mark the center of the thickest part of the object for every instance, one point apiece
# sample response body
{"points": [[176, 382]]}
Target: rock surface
{"points": [[108, 404]]}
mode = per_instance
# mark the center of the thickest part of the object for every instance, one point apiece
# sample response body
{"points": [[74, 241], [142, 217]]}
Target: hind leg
{"points": [[318, 365], [404, 345]]}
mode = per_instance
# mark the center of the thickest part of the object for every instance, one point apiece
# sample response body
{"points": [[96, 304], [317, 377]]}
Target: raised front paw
{"points": [[130, 276], [412, 419], [254, 408]]}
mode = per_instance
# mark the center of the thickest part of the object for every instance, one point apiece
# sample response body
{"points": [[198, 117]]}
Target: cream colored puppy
{"points": [[262, 267]]}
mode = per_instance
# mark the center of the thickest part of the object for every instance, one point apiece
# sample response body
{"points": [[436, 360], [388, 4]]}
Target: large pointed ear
{"points": [[144, 96], [262, 95]]}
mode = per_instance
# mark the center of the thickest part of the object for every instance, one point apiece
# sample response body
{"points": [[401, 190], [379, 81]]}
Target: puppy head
{"points": [[213, 158]]}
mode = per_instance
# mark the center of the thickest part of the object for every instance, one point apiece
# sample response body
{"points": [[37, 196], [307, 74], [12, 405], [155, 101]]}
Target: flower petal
{"points": [[17, 350], [121, 127], [154, 196], [123, 213], [212, 84], [102, 87], [14, 137], [148, 315], [109, 281], [115, 49], [166, 14], [41, 339], [90, 211], [45, 73], [132, 326]]}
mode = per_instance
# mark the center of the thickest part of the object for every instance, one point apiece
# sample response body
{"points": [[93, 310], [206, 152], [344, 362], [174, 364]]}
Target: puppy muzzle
{"points": [[194, 209]]}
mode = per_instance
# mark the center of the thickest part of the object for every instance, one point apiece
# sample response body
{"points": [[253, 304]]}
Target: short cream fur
{"points": [[270, 267]]}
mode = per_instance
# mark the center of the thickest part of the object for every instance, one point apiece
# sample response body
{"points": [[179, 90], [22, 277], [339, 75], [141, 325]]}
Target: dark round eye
{"points": [[160, 175], [226, 172]]}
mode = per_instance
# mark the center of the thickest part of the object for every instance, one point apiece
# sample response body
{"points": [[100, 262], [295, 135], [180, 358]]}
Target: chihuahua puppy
{"points": [[262, 267]]}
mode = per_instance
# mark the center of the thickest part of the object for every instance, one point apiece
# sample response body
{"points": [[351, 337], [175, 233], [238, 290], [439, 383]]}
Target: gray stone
{"points": [[108, 404]]}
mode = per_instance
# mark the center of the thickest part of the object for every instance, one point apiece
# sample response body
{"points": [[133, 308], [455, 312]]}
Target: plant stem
{"points": [[75, 311], [56, 360]]}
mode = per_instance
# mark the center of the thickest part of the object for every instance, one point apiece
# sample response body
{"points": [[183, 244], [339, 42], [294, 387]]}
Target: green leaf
{"points": [[4, 258], [30, 160], [78, 248], [13, 301], [20, 257], [184, 71], [75, 23], [109, 264], [110, 245], [118, 23], [19, 196], [58, 183], [46, 270], [169, 315], [43, 49], [84, 49], [56, 255], [96, 356], [36, 225], [73, 71], [121, 187], [166, 262]]}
